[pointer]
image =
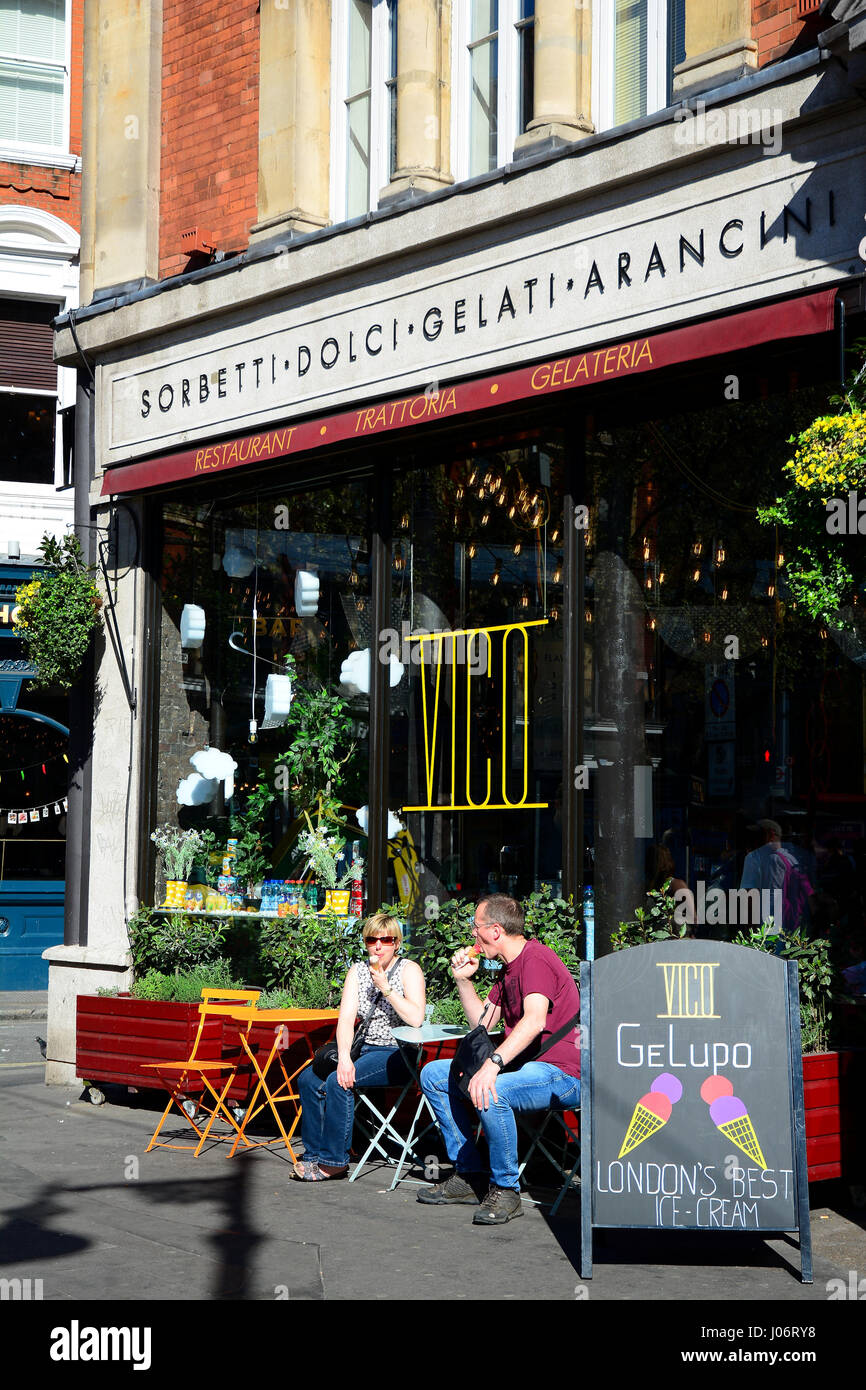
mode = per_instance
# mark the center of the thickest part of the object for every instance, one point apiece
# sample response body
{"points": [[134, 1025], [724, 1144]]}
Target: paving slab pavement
{"points": [[23, 1003], [93, 1216]]}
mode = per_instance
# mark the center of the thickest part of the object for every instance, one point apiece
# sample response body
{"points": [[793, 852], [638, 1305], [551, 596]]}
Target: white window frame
{"points": [[603, 65], [39, 261], [508, 85], [58, 156], [380, 107]]}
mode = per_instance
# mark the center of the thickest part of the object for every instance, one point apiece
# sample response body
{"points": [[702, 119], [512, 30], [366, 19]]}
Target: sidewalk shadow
{"points": [[26, 1235]]}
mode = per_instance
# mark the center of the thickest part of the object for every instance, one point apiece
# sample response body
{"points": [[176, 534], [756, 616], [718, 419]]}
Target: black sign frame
{"points": [[793, 1051]]}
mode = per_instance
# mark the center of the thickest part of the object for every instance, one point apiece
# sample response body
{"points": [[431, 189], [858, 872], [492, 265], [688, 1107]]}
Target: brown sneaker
{"points": [[455, 1189], [500, 1205]]}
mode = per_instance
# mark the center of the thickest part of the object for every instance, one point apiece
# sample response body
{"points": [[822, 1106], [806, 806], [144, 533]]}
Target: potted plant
{"points": [[322, 847], [178, 850], [58, 613]]}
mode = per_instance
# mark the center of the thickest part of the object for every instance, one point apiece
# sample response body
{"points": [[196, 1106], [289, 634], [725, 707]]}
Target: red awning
{"points": [[792, 318]]}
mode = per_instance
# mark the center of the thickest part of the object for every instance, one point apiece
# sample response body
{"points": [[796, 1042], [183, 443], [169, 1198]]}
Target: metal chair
{"points": [[535, 1124], [287, 1034], [193, 1074]]}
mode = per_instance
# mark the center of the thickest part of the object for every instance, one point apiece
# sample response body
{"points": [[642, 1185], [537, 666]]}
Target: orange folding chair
{"points": [[287, 1034], [189, 1084]]}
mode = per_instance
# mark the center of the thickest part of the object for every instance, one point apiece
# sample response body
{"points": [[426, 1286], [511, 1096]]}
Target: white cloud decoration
{"points": [[214, 764], [395, 825], [355, 672], [196, 790]]}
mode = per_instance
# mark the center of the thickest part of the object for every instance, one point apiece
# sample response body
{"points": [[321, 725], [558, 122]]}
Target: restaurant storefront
{"points": [[497, 488]]}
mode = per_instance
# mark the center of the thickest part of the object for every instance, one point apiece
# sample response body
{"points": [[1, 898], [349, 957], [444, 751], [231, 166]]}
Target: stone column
{"points": [[423, 99], [89, 131], [122, 164], [562, 76], [719, 46], [294, 117]]}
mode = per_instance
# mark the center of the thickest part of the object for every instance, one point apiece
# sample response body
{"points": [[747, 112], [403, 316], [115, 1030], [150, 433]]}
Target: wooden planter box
{"points": [[116, 1036], [833, 1089]]}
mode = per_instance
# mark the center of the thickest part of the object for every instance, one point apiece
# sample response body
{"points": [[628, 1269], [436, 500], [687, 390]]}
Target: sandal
{"points": [[308, 1171]]}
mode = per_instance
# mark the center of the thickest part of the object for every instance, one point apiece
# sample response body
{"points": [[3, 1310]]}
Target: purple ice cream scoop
{"points": [[727, 1108], [669, 1086]]}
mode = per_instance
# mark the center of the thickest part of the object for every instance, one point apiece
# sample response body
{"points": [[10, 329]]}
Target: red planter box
{"points": [[833, 1089], [116, 1036]]}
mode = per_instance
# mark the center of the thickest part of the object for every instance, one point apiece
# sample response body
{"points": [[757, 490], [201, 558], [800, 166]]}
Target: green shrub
{"points": [[554, 922], [186, 988], [175, 943], [655, 922], [309, 953], [815, 974], [447, 929]]}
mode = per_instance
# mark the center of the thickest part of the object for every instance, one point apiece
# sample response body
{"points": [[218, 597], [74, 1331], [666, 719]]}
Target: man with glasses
{"points": [[538, 1000]]}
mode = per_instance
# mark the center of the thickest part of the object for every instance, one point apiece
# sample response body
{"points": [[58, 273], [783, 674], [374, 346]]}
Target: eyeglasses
{"points": [[385, 940]]}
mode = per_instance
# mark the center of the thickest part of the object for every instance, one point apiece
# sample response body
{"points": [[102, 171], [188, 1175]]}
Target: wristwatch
{"points": [[498, 1060]]}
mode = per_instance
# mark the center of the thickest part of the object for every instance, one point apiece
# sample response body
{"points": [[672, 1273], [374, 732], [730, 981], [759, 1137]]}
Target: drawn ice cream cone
{"points": [[729, 1114], [651, 1113]]}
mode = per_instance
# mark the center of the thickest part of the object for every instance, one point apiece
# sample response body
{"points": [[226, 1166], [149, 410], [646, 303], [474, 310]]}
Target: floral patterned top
{"points": [[385, 1018]]}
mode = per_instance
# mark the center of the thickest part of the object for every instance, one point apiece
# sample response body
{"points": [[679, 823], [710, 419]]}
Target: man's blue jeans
{"points": [[534, 1086], [328, 1111]]}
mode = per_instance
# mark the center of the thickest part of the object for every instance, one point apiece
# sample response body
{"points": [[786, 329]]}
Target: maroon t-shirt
{"points": [[538, 970]]}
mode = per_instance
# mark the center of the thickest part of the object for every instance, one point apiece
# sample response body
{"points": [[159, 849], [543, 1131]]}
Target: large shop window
{"points": [[249, 565], [33, 73], [476, 718], [710, 702]]}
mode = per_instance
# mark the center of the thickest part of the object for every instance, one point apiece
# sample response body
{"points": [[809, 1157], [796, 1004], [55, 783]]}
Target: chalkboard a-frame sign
{"points": [[692, 1093]]}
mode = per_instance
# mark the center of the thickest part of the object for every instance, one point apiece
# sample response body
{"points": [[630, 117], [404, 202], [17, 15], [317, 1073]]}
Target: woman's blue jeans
{"points": [[328, 1111], [534, 1086]]}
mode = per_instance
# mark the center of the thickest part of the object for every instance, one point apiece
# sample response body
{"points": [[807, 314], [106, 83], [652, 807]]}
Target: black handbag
{"points": [[326, 1058], [471, 1053], [475, 1048]]}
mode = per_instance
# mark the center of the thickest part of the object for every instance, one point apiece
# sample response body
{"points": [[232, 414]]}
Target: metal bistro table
{"points": [[413, 1044]]}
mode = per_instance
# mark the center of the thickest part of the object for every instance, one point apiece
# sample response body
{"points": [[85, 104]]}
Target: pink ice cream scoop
{"points": [[668, 1085], [716, 1086], [727, 1108], [657, 1103]]}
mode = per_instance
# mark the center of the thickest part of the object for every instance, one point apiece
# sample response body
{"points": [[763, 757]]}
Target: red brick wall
{"points": [[57, 191], [210, 116], [779, 29]]}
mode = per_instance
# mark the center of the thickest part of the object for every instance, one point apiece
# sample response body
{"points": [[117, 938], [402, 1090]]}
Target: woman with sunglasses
{"points": [[388, 990]]}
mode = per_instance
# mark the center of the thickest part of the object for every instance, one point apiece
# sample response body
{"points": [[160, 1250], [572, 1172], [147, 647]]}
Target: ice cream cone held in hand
{"points": [[652, 1111]]}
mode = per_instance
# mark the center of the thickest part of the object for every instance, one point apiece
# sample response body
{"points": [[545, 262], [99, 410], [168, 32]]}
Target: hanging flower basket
{"points": [[823, 551], [58, 613]]}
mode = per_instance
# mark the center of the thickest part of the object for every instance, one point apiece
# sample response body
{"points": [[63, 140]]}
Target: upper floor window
{"points": [[636, 46], [34, 68], [364, 103], [494, 81]]}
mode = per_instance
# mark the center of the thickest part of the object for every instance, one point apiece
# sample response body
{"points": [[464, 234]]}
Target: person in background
{"points": [[660, 870], [391, 992]]}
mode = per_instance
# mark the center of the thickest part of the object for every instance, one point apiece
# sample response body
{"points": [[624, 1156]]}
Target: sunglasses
{"points": [[385, 940]]}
